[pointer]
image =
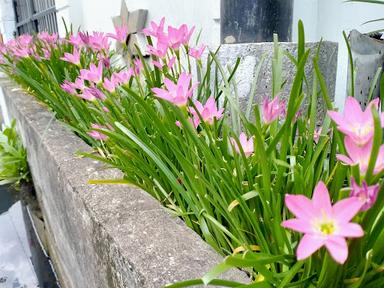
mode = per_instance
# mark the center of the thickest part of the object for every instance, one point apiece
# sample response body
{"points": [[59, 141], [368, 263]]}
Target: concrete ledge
{"points": [[101, 235]]}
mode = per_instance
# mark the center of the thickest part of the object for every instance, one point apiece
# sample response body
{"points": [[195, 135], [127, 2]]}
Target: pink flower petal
{"points": [[345, 159], [338, 248], [308, 245], [298, 225], [160, 93], [352, 108], [346, 209], [169, 84], [351, 230], [337, 117], [321, 200], [300, 206]]}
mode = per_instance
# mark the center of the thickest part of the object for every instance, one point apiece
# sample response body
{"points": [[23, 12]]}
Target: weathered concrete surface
{"points": [[101, 235], [251, 55], [368, 56]]}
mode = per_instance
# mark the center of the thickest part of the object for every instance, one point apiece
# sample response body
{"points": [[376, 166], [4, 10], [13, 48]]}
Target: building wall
{"points": [[7, 19], [307, 11]]}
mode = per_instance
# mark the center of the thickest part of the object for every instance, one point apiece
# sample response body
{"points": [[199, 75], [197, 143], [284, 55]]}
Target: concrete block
{"points": [[252, 53]]}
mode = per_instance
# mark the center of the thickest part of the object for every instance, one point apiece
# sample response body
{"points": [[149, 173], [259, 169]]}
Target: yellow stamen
{"points": [[327, 228]]}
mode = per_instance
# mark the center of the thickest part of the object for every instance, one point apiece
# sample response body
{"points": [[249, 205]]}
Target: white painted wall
{"points": [[307, 11], [7, 19]]}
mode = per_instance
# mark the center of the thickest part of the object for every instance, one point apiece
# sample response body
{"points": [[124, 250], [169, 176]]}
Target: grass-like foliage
{"points": [[13, 158], [249, 182]]}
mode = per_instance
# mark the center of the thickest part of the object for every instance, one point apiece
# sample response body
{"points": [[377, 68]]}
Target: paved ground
{"points": [[16, 268], [23, 263]]}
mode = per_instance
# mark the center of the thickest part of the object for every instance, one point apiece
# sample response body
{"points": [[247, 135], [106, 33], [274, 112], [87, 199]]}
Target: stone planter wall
{"points": [[252, 53], [101, 235]]}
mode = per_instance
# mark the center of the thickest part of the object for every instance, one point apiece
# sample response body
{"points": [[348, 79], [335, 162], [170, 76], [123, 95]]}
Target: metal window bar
{"points": [[34, 16]]}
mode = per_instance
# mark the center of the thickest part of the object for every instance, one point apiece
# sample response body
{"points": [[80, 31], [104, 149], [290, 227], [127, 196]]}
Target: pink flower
{"points": [[208, 112], [196, 53], [93, 74], [138, 66], [96, 134], [76, 40], [169, 64], [155, 30], [366, 194], [49, 39], [98, 41], [122, 77], [178, 93], [317, 134], [24, 40], [157, 64], [193, 122], [360, 155], [47, 53], [104, 59], [22, 52], [72, 58], [246, 144], [272, 109], [92, 93], [354, 122], [176, 36], [121, 34], [79, 83], [187, 33], [68, 87], [322, 223], [84, 37], [159, 51], [110, 85]]}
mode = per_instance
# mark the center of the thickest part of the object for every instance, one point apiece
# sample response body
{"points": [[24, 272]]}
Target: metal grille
{"points": [[34, 16]]}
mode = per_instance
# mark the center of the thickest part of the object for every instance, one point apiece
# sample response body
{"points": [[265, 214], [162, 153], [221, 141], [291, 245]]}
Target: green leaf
{"points": [[215, 272], [244, 197]]}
